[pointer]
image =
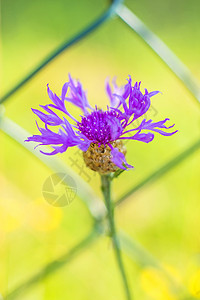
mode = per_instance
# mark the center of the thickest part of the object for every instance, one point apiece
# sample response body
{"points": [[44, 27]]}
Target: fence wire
{"points": [[94, 205]]}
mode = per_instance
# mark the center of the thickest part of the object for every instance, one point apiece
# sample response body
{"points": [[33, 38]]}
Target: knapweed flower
{"points": [[99, 133]]}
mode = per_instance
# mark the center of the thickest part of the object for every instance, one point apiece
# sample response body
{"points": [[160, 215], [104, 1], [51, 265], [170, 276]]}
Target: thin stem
{"points": [[106, 189]]}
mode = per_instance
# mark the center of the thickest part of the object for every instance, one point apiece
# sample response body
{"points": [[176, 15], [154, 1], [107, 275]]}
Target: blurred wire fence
{"points": [[96, 207]]}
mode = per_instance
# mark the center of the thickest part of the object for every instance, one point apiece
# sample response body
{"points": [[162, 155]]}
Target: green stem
{"points": [[106, 189]]}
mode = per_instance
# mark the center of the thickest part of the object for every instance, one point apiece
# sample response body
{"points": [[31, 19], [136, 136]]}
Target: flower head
{"points": [[99, 133]]}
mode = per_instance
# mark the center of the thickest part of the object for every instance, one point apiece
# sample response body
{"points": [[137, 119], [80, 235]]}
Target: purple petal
{"points": [[114, 100], [153, 93], [64, 90], [142, 137], [50, 93], [164, 133], [50, 119], [84, 145], [119, 160], [68, 128], [57, 149], [127, 88], [149, 125], [59, 103], [54, 98], [109, 92], [58, 141], [77, 95]]}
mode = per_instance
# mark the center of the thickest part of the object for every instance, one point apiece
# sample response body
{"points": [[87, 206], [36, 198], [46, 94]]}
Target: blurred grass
{"points": [[164, 216]]}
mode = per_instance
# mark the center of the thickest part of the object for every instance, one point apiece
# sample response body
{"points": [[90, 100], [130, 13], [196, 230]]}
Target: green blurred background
{"points": [[163, 216]]}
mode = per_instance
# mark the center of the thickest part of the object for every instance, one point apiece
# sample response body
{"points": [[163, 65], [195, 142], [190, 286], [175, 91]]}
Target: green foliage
{"points": [[163, 216]]}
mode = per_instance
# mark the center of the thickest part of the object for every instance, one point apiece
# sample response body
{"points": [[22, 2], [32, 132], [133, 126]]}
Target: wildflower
{"points": [[99, 133]]}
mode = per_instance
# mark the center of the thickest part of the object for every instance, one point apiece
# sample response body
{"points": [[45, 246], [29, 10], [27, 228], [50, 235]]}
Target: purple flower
{"points": [[97, 126]]}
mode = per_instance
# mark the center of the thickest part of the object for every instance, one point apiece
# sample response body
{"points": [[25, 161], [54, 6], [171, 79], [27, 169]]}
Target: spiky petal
{"points": [[101, 128]]}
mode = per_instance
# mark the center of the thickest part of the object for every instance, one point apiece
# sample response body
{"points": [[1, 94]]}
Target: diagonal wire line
{"points": [[19, 134], [154, 42], [104, 17], [94, 205], [161, 171], [161, 49], [84, 191], [54, 265], [177, 67], [137, 253], [180, 70], [130, 247]]}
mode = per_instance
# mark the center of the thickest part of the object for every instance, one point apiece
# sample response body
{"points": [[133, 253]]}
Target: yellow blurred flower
{"points": [[42, 216], [194, 284], [11, 215], [155, 284]]}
